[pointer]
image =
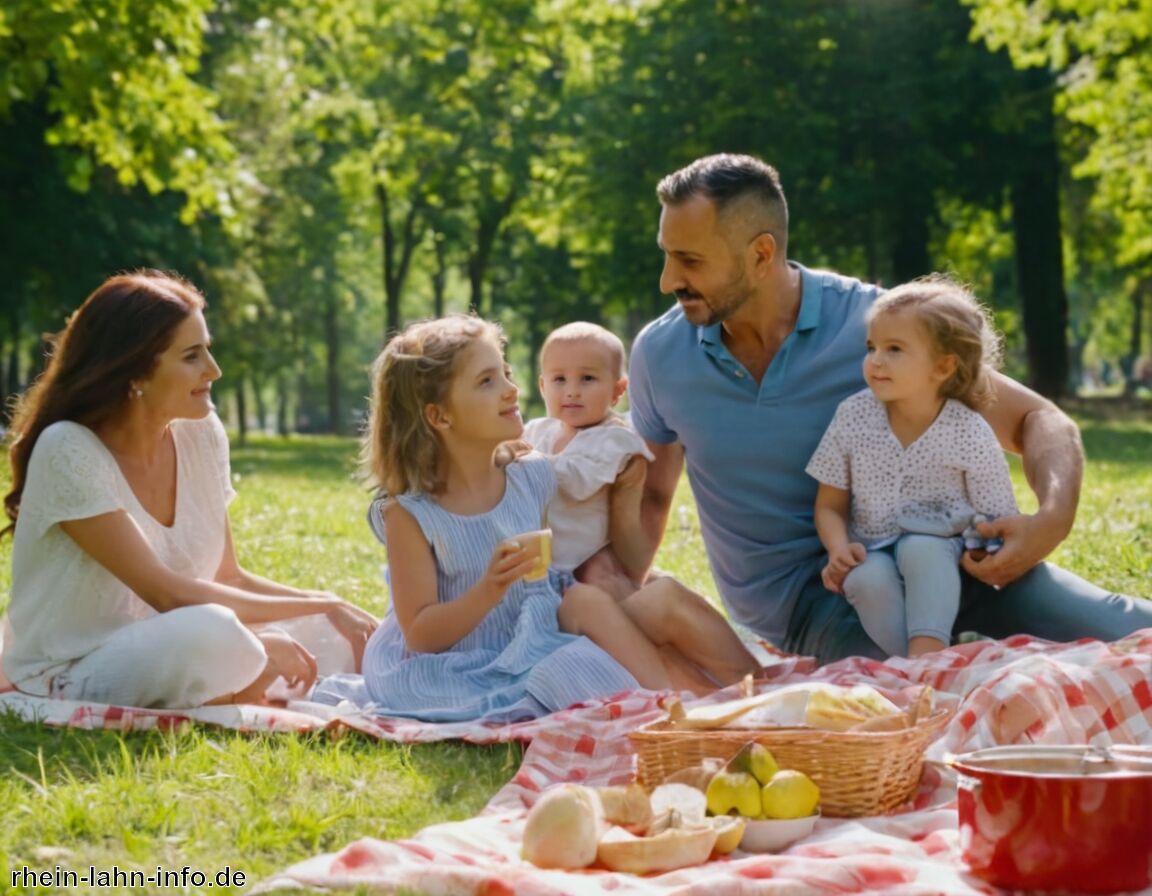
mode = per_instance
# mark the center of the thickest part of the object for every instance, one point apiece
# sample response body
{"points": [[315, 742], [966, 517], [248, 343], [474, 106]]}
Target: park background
{"points": [[329, 170]]}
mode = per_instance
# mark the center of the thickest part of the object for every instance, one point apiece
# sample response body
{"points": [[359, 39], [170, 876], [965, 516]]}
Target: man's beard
{"points": [[726, 302]]}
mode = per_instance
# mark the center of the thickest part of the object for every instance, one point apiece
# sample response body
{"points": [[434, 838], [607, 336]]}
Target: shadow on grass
{"points": [[461, 770], [316, 457], [47, 755], [1114, 442]]}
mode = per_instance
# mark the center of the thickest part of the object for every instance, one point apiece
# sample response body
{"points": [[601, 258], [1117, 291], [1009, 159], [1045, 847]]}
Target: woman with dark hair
{"points": [[125, 584]]}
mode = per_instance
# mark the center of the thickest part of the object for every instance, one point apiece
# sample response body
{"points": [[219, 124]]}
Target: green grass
{"points": [[209, 799], [1111, 543]]}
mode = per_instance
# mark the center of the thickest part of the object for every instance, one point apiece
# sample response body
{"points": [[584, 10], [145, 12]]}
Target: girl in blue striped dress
{"points": [[466, 635]]}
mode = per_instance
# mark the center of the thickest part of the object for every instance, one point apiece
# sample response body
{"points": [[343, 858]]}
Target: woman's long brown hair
{"points": [[114, 338]]}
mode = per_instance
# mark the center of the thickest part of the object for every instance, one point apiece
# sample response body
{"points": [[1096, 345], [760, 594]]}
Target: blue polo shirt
{"points": [[746, 444]]}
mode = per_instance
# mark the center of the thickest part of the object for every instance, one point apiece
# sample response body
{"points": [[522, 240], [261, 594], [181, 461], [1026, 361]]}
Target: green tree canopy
{"points": [[1101, 51], [118, 78]]}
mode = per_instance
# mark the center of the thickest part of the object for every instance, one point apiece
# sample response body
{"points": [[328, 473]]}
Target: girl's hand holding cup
{"points": [[524, 556]]}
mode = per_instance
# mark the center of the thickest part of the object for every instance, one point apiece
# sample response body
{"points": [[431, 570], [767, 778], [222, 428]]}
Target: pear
{"points": [[790, 794], [757, 760], [737, 792]]}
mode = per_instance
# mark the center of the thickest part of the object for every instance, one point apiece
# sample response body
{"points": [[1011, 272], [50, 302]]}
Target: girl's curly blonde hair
{"points": [[957, 324], [400, 451]]}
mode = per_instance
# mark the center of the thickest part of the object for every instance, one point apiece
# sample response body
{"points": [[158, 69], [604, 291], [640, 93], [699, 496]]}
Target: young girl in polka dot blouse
{"points": [[908, 462]]}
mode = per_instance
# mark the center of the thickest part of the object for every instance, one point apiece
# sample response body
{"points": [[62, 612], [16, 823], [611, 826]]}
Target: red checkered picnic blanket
{"points": [[297, 716], [1014, 691]]}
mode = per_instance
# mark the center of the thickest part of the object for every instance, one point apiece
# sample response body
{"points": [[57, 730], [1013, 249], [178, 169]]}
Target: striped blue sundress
{"points": [[516, 663]]}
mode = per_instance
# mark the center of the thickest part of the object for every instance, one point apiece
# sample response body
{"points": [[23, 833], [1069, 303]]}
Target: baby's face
{"points": [[579, 383]]}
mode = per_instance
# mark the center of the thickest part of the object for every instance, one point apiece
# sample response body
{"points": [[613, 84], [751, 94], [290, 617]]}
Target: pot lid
{"points": [[1057, 761]]}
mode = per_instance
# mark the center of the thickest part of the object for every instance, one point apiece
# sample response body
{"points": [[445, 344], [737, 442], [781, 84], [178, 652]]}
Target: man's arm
{"points": [[629, 541], [660, 488], [1049, 443], [605, 569]]}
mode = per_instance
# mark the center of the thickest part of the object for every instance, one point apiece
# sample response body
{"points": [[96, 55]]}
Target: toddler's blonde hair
{"points": [[400, 451], [579, 331], [957, 324]]}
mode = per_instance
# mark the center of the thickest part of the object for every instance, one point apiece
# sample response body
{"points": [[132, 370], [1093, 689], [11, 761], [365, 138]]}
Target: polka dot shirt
{"points": [[934, 486]]}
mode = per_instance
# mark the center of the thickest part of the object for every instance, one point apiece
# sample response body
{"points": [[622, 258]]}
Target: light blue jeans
{"points": [[1048, 602], [907, 589]]}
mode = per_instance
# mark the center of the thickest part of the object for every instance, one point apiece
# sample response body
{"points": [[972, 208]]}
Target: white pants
{"points": [[187, 657]]}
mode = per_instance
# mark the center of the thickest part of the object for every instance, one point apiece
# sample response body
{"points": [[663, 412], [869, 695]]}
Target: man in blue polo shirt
{"points": [[739, 381]]}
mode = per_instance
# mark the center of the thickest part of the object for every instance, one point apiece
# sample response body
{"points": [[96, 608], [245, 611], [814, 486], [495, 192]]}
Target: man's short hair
{"points": [[733, 183]]}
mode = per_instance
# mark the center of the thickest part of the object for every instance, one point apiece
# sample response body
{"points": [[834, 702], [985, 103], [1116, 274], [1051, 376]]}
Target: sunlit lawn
{"points": [[210, 799]]}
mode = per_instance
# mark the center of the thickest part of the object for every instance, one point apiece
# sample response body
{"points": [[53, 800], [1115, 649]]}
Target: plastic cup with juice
{"points": [[539, 546]]}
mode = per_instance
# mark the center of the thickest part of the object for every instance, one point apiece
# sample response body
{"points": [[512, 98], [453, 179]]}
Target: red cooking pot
{"points": [[1071, 818]]}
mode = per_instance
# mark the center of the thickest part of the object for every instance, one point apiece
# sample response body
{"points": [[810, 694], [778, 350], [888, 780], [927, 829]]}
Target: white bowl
{"points": [[774, 834]]}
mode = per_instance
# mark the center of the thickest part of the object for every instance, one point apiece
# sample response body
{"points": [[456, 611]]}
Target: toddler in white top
{"points": [[581, 379], [908, 462], [601, 464]]}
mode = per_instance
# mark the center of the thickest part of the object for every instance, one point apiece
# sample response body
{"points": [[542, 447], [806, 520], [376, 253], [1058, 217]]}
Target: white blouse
{"points": [[65, 604], [585, 470], [954, 470]]}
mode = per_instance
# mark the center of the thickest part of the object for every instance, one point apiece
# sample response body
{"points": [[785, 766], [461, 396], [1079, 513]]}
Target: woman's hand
{"points": [[287, 659], [355, 624]]}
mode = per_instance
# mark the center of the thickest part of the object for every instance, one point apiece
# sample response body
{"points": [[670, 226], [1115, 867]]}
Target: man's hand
{"points": [[508, 452], [1028, 539], [605, 571], [629, 482]]}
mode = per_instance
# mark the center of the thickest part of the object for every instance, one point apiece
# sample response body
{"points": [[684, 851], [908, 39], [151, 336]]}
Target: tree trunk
{"points": [[261, 407], [488, 228], [7, 387], [283, 426], [332, 352], [439, 275], [910, 256], [1035, 194], [391, 287], [398, 249], [12, 368], [1132, 371], [241, 412]]}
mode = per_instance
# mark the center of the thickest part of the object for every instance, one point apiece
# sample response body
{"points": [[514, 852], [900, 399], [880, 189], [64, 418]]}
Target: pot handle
{"points": [[947, 765]]}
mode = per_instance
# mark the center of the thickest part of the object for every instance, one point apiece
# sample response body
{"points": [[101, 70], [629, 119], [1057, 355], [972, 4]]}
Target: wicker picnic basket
{"points": [[858, 772]]}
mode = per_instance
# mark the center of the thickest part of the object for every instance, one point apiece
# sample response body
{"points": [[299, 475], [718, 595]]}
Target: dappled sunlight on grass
{"points": [[214, 798], [258, 803]]}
